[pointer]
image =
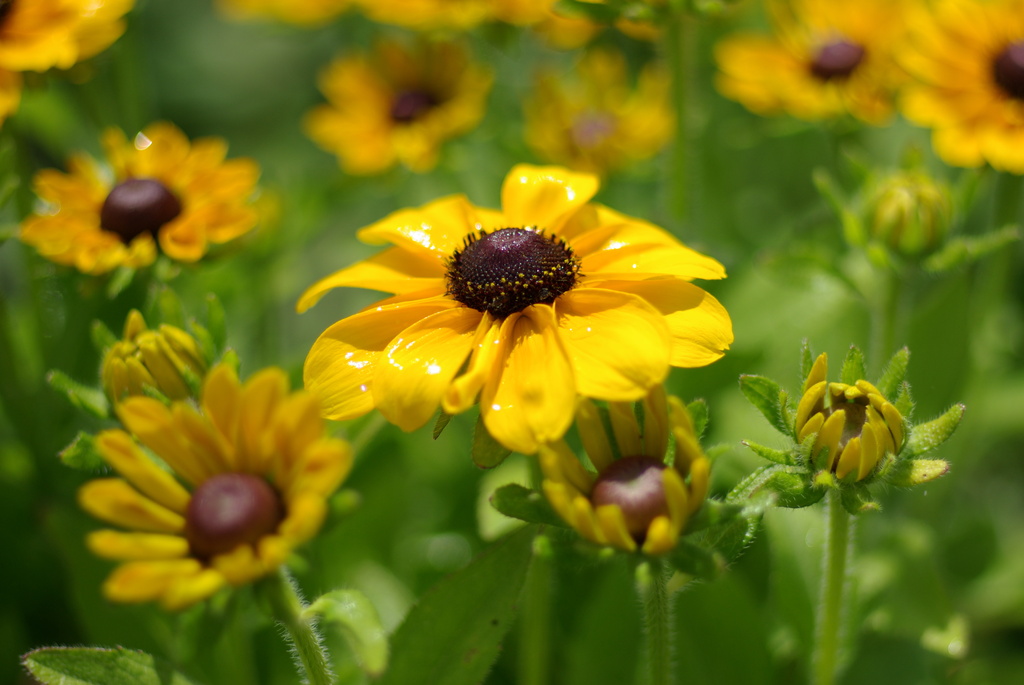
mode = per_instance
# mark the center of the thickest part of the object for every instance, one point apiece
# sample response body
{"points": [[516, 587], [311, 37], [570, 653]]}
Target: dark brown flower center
{"points": [[635, 485], [1008, 70], [592, 128], [837, 60], [228, 510], [410, 105], [5, 9], [507, 270], [137, 206]]}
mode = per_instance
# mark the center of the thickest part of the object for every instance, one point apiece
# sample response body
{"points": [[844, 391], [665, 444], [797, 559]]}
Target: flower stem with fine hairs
{"points": [[652, 586], [828, 634], [286, 605]]}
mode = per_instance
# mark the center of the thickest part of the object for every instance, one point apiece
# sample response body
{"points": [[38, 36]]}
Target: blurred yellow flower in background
{"points": [[398, 105], [426, 15], [249, 481], [636, 499], [302, 12], [826, 58], [161, 190], [967, 59], [549, 298], [597, 122]]}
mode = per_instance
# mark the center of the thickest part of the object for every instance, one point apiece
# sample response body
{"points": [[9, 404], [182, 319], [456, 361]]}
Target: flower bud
{"points": [[910, 213]]}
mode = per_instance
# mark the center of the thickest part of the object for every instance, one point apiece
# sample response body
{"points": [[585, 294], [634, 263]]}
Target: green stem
{"points": [[652, 585], [287, 606], [887, 320], [680, 36], [535, 624], [367, 433], [829, 630]]}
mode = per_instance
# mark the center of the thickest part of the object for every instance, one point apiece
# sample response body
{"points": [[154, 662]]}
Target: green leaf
{"points": [[906, 473], [806, 361], [853, 230], [528, 505], [777, 456], [904, 402], [853, 366], [767, 396], [927, 436], [894, 374], [454, 634], [966, 249], [790, 485], [360, 625], [216, 322], [121, 279], [99, 666], [82, 453], [487, 452], [699, 415], [441, 423], [206, 345], [82, 396], [696, 561], [102, 337], [857, 500]]}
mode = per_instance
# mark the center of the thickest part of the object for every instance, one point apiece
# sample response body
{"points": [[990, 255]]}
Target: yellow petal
{"points": [[433, 231], [613, 525], [321, 469], [870, 453], [296, 427], [342, 362], [417, 367], [677, 497], [222, 400], [584, 520], [544, 197], [113, 544], [660, 538], [593, 435], [153, 424], [186, 590], [700, 480], [256, 406], [114, 501], [489, 346], [656, 423], [813, 425], [812, 403], [121, 452], [618, 344], [829, 435], [818, 374], [894, 421], [849, 458], [559, 497], [626, 429], [143, 581], [533, 400], [239, 566], [207, 447], [306, 513], [564, 466]]}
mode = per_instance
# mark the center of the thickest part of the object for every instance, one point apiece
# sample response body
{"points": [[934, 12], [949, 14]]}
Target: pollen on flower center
{"points": [[410, 105], [837, 60], [635, 485], [228, 510], [507, 270], [1008, 70], [137, 206]]}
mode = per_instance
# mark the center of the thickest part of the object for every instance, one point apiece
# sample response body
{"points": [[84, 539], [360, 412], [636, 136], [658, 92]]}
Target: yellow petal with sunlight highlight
{"points": [[544, 196], [392, 271]]}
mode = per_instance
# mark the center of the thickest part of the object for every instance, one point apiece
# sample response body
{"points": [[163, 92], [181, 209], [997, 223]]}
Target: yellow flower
{"points": [[302, 12], [597, 122], [827, 57], [397, 106], [426, 15], [161, 190], [549, 298], [162, 360], [968, 62], [856, 429], [251, 474], [635, 499]]}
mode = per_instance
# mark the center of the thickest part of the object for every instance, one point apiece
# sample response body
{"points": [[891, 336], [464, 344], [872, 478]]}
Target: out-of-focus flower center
{"points": [[837, 60], [1008, 70], [5, 9], [635, 485], [591, 128], [137, 206], [410, 105], [506, 271], [228, 510]]}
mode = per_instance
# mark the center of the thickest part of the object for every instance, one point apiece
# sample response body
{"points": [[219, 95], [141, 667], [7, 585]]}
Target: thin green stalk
{"points": [[652, 585], [287, 606], [680, 36], [535, 624], [367, 433], [828, 638], [888, 322]]}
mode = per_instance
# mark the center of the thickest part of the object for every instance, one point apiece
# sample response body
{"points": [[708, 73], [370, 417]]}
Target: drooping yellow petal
{"points": [[114, 501], [121, 452], [593, 435], [186, 590], [342, 362], [618, 345], [544, 197], [626, 429], [567, 468], [113, 544], [488, 348], [416, 368], [612, 524], [660, 538], [559, 496], [144, 581]]}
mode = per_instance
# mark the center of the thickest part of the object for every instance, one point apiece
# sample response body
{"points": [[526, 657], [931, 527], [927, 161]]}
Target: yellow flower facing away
{"points": [[160, 192], [167, 360], [249, 480], [967, 60], [826, 58], [550, 297], [301, 12], [597, 121], [398, 105], [635, 499], [855, 428]]}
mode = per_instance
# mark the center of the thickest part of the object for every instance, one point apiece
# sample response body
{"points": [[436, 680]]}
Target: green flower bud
{"points": [[910, 213]]}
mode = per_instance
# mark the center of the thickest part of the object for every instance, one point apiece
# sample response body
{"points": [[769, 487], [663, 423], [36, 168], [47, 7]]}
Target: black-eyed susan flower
{"points": [[826, 58], [249, 476], [160, 192], [598, 121], [166, 360], [855, 424], [637, 499], [301, 12], [967, 60], [548, 298], [398, 105]]}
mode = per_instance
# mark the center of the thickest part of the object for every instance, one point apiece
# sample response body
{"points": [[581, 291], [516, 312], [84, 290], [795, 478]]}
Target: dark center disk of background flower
{"points": [[1009, 70], [228, 510], [508, 270], [137, 206], [635, 485], [410, 105], [837, 60], [5, 9]]}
